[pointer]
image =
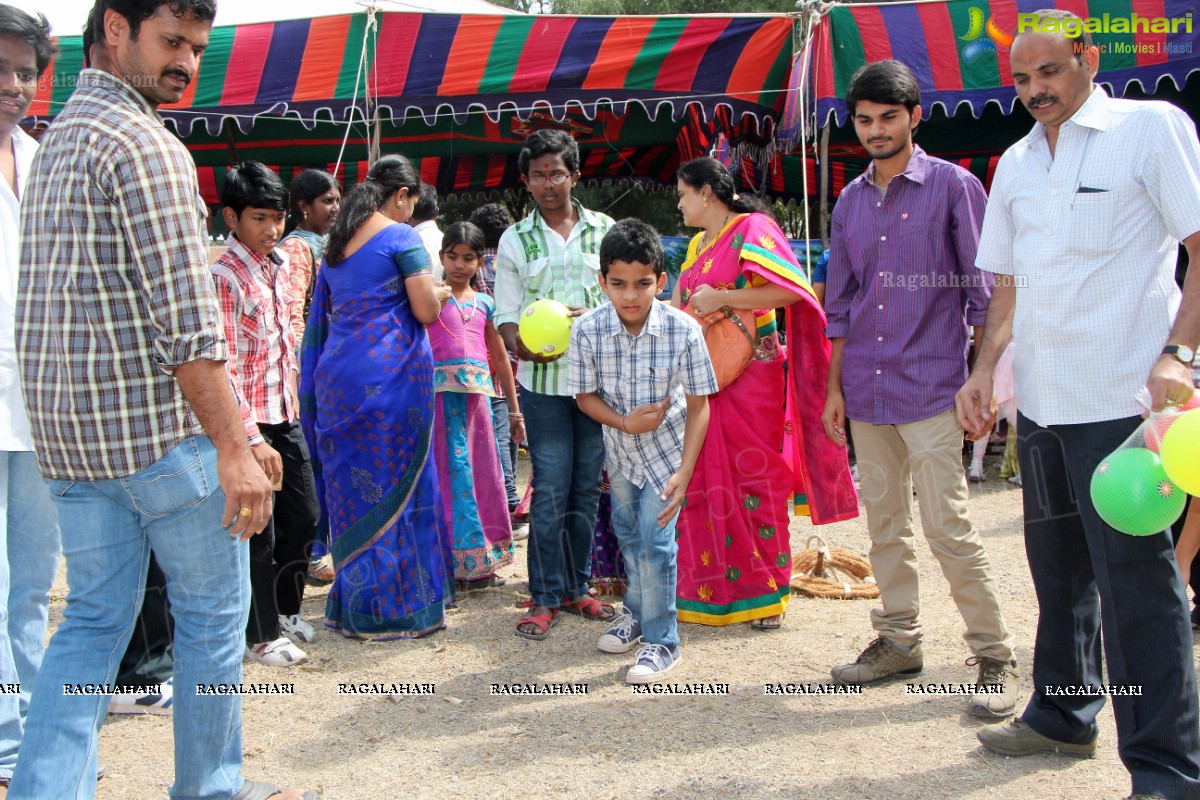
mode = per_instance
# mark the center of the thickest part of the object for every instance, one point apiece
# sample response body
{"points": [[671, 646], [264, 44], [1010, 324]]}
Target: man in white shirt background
{"points": [[29, 541], [424, 222], [1084, 215]]}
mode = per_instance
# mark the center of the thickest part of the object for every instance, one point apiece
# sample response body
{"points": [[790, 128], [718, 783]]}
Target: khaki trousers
{"points": [[928, 453]]}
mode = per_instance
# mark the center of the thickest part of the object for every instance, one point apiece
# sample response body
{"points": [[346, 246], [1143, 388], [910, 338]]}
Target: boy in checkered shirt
{"points": [[640, 368]]}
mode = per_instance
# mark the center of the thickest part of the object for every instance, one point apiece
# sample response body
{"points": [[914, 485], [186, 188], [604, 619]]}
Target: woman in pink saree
{"points": [[765, 444]]}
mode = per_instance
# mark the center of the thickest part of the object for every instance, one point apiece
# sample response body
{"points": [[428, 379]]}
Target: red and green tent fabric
{"points": [[466, 89], [958, 62]]}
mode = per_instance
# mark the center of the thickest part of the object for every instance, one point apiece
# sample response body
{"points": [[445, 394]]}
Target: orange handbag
{"points": [[730, 343]]}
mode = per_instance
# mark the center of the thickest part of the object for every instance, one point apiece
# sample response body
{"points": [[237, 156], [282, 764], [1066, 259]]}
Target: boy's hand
{"points": [[834, 417], [525, 354], [644, 419], [674, 492], [516, 430], [270, 462]]}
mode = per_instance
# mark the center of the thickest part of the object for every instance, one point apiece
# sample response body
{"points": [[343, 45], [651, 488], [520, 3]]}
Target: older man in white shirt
{"points": [[29, 542], [1084, 215]]}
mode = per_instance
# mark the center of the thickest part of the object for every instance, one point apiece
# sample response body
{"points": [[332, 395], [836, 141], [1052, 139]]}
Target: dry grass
{"points": [[882, 745]]}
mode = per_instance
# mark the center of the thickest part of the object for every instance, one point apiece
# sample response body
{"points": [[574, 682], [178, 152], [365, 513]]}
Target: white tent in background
{"points": [[67, 17]]}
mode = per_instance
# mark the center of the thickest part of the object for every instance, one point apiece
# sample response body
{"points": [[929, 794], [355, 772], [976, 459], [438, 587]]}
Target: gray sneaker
{"points": [[997, 686], [1018, 739], [881, 661], [624, 633]]}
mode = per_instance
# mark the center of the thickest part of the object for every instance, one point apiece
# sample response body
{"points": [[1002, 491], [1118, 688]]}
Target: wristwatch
{"points": [[1181, 352]]}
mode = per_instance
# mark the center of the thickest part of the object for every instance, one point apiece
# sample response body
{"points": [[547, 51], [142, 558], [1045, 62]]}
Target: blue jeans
{"points": [[174, 508], [29, 549], [566, 450], [649, 552], [508, 450], [1097, 587]]}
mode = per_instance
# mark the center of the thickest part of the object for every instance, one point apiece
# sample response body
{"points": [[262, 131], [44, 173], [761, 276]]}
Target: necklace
{"points": [[466, 315], [695, 268]]}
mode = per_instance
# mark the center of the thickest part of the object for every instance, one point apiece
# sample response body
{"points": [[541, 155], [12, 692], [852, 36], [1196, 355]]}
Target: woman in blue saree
{"points": [[367, 399]]}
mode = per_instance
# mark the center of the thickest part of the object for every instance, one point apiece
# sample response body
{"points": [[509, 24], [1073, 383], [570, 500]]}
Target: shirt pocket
{"points": [[1093, 223], [659, 375], [539, 279]]}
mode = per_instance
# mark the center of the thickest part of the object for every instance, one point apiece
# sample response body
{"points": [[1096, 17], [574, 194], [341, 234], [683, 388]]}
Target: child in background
{"points": [[640, 368], [254, 289], [463, 341]]}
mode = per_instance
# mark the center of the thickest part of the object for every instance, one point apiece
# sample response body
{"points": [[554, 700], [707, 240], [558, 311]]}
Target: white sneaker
{"points": [[975, 474], [159, 702], [623, 634], [654, 661], [279, 653], [295, 628]]}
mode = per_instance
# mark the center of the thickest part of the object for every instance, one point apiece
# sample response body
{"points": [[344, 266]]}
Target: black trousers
{"points": [[279, 555], [149, 658], [1091, 579]]}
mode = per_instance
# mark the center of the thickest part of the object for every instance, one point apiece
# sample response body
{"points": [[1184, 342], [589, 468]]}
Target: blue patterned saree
{"points": [[366, 393]]}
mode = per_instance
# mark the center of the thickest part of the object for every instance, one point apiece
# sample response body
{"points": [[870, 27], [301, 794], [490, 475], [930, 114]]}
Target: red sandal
{"points": [[543, 622], [589, 607]]}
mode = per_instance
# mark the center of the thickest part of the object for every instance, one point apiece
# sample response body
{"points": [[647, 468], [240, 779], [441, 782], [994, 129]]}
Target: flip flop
{"points": [[762, 625], [261, 790], [480, 583], [543, 622], [589, 607]]}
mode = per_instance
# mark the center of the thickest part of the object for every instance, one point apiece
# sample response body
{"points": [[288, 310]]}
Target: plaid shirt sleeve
{"points": [[581, 363], [510, 290], [158, 193], [230, 300]]}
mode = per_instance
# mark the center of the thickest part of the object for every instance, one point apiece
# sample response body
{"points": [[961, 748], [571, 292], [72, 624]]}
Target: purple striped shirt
{"points": [[903, 287]]}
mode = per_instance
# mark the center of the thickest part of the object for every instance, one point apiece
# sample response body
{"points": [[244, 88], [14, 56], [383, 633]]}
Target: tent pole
{"points": [[823, 155]]}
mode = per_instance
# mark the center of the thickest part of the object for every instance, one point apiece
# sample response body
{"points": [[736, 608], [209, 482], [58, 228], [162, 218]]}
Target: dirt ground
{"points": [[462, 741]]}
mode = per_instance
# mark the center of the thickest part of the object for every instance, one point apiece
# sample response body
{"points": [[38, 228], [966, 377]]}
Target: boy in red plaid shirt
{"points": [[254, 290]]}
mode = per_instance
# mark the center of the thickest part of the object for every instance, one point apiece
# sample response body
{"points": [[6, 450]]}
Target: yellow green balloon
{"points": [[1132, 493], [1181, 451], [545, 327]]}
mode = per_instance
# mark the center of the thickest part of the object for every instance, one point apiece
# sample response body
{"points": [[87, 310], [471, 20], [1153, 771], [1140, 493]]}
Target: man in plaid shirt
{"points": [[254, 289], [134, 420]]}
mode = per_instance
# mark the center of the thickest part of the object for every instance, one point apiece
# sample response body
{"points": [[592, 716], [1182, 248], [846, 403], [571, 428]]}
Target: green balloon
{"points": [[1132, 493]]}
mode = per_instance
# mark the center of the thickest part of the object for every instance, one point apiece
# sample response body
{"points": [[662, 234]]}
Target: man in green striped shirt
{"points": [[554, 253]]}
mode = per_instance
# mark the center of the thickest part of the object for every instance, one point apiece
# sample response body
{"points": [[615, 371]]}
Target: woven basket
{"points": [[832, 572]]}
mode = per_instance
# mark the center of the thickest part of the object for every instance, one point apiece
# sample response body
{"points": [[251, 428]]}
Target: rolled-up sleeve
{"points": [[840, 285], [158, 193], [967, 207], [510, 290]]}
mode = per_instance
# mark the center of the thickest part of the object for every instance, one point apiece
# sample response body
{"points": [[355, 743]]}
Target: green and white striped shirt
{"points": [[534, 262]]}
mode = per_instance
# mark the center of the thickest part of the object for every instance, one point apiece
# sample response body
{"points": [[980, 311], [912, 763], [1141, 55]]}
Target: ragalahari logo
{"points": [[976, 46]]}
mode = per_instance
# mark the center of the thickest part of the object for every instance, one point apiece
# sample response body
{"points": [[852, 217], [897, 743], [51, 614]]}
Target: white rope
{"points": [[358, 77]]}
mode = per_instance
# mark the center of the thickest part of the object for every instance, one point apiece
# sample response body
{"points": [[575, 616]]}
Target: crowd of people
{"points": [[341, 395]]}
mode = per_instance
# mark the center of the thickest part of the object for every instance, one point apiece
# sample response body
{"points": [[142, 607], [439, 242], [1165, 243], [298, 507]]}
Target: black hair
{"points": [[252, 185], [306, 188], [886, 82], [701, 172], [33, 31], [427, 203], [631, 240], [389, 175], [464, 233], [545, 141], [470, 235], [138, 11], [493, 219], [1070, 26]]}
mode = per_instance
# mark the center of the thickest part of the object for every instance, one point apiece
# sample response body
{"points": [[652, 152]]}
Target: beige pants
{"points": [[891, 459]]}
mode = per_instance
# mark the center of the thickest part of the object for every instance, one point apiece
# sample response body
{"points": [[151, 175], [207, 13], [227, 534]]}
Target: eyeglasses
{"points": [[557, 178]]}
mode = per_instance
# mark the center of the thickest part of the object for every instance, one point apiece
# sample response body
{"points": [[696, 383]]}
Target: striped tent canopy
{"points": [[784, 179], [465, 88], [957, 48]]}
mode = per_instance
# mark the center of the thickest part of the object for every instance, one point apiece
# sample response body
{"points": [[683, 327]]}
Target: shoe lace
{"points": [[622, 627], [875, 650], [655, 654], [991, 670]]}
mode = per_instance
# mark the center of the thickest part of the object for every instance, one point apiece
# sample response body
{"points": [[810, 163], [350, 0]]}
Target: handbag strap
{"points": [[727, 312]]}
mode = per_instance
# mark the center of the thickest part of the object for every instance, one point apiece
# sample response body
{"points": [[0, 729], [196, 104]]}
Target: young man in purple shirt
{"points": [[902, 288]]}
